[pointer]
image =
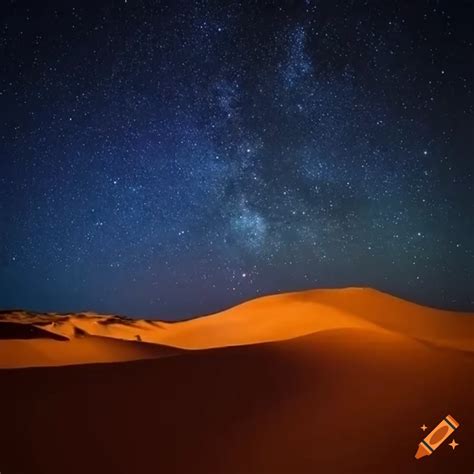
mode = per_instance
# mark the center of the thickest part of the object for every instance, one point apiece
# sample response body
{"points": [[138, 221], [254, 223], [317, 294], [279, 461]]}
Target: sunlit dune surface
{"points": [[270, 318], [286, 316], [79, 350], [337, 401]]}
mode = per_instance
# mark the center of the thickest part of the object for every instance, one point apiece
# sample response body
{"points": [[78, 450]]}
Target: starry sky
{"points": [[173, 158]]}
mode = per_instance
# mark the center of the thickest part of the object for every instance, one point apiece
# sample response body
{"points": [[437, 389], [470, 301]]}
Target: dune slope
{"points": [[338, 401], [46, 351], [289, 315]]}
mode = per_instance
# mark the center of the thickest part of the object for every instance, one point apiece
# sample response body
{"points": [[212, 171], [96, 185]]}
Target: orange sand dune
{"points": [[337, 401], [274, 318], [285, 316], [79, 350]]}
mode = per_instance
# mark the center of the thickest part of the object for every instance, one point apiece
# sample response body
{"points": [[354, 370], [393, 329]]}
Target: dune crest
{"points": [[289, 315]]}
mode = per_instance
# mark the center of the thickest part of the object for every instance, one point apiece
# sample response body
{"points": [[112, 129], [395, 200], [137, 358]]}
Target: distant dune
{"points": [[333, 381]]}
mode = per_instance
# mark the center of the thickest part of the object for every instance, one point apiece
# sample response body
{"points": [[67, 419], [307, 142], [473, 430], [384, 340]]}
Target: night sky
{"points": [[168, 159]]}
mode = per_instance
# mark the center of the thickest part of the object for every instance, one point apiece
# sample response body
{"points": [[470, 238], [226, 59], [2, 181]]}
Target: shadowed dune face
{"points": [[26, 331], [348, 400]]}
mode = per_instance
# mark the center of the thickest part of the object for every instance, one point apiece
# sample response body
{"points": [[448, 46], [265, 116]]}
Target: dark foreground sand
{"points": [[338, 401]]}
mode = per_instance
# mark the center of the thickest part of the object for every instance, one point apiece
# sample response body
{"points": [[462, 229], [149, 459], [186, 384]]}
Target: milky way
{"points": [[174, 158]]}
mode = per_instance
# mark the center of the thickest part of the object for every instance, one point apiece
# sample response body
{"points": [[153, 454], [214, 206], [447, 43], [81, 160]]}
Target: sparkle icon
{"points": [[453, 444]]}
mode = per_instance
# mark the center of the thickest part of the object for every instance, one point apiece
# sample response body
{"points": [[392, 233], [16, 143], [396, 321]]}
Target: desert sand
{"points": [[78, 350], [336, 381], [265, 319]]}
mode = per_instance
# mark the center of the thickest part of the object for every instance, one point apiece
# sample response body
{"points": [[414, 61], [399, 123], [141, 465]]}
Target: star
{"points": [[228, 173], [453, 444], [424, 427]]}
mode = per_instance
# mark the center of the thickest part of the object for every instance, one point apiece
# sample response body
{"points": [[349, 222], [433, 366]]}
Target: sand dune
{"points": [[333, 381], [285, 316], [270, 318], [48, 349], [337, 401]]}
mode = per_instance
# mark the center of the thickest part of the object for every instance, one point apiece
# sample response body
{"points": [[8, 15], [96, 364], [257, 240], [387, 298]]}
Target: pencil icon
{"points": [[437, 436]]}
